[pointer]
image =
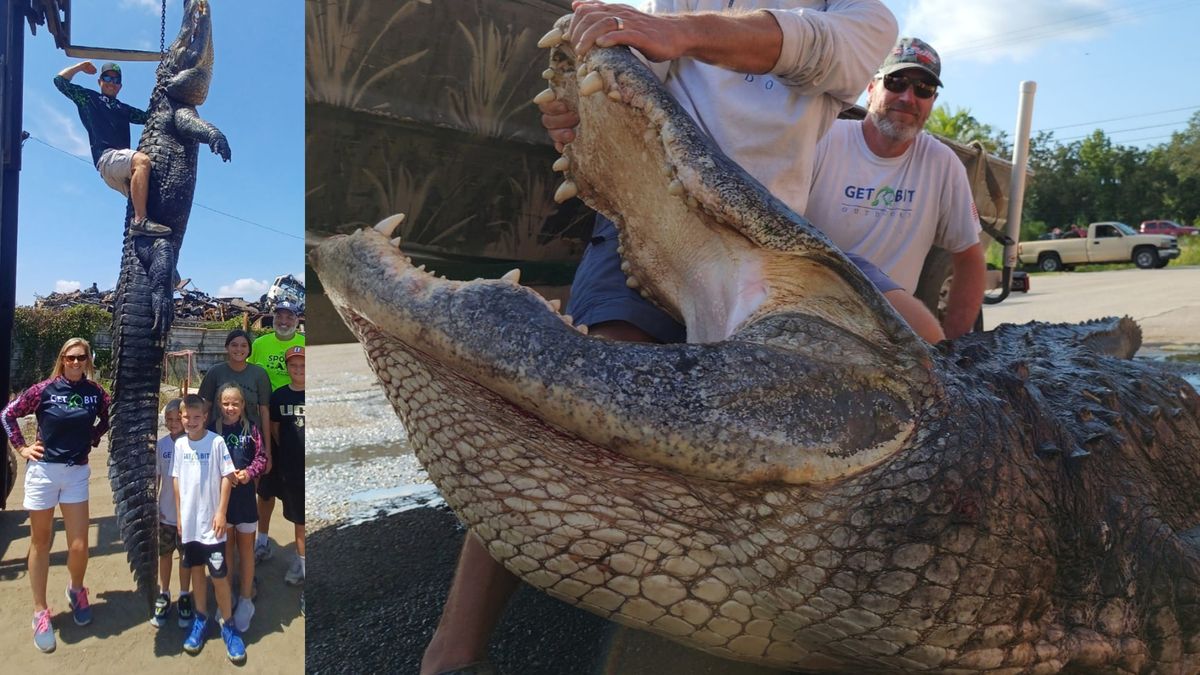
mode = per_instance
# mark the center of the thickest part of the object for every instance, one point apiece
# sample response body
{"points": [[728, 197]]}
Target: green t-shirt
{"points": [[267, 352]]}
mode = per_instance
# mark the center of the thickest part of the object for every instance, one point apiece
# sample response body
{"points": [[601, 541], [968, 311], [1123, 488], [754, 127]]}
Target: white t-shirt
{"points": [[162, 467], [199, 466], [890, 210], [770, 123]]}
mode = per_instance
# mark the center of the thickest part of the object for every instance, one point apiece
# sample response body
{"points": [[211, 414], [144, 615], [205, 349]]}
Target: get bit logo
{"points": [[883, 200]]}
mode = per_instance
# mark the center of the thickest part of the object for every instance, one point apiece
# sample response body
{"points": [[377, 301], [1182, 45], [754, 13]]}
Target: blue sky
{"points": [[1093, 60], [71, 222]]}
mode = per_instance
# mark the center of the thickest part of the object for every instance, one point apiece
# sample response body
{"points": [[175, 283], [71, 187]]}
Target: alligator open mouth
{"points": [[806, 483]]}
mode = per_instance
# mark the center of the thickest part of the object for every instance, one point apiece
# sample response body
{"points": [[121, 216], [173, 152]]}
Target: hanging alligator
{"points": [[806, 484], [144, 309]]}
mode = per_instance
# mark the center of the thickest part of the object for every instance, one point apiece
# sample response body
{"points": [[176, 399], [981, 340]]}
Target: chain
{"points": [[162, 29]]}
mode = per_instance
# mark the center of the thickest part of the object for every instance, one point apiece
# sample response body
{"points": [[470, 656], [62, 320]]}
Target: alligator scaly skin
{"points": [[144, 310]]}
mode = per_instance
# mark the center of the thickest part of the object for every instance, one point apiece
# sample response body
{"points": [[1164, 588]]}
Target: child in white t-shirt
{"points": [[168, 529], [202, 470]]}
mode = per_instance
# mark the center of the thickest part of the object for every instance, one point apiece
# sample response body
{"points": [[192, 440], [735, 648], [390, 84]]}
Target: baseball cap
{"points": [[293, 352], [288, 305], [109, 66], [911, 52]]}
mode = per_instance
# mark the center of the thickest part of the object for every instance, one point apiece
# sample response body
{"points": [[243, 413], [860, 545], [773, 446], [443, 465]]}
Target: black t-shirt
{"points": [[106, 119], [287, 408]]}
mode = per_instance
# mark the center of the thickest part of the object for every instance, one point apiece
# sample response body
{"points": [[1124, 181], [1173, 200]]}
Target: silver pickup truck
{"points": [[1107, 242]]}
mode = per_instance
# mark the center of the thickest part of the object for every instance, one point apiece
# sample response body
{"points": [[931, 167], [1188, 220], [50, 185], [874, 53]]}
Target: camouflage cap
{"points": [[110, 66], [911, 52]]}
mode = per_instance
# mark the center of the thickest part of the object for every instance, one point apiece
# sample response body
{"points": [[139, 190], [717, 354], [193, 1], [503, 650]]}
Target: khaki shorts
{"points": [[116, 167], [168, 539]]}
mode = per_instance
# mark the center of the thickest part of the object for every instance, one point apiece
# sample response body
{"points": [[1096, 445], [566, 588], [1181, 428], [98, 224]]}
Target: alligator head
{"points": [[185, 71], [806, 484]]}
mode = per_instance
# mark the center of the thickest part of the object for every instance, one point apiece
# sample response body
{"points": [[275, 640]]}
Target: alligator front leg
{"points": [[158, 259], [191, 126]]}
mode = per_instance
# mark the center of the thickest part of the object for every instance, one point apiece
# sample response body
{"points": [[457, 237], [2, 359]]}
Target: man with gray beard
{"points": [[885, 191]]}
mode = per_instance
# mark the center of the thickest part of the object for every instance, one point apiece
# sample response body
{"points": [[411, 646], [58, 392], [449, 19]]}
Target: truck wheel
{"points": [[1049, 262], [1161, 264], [933, 287], [1145, 258]]}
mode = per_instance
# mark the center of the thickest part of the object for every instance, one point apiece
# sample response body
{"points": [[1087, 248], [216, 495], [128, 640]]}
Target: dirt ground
{"points": [[120, 639]]}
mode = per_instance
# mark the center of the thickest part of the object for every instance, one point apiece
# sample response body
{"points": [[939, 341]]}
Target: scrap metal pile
{"points": [[191, 304]]}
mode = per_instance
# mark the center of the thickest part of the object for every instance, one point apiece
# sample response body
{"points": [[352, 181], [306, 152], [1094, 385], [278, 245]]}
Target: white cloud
{"points": [[152, 6], [249, 289], [64, 286], [987, 31], [56, 128]]}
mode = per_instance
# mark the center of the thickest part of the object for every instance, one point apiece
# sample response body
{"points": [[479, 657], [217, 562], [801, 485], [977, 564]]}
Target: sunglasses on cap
{"points": [[897, 84], [113, 79]]}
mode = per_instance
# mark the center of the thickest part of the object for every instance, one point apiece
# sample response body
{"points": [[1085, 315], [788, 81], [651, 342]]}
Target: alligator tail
{"points": [[137, 366]]}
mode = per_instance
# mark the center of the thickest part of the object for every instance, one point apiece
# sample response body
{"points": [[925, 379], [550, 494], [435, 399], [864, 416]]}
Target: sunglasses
{"points": [[113, 79], [75, 358], [897, 84]]}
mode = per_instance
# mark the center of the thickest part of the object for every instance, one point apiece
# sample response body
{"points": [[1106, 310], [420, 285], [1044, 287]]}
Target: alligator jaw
{"points": [[699, 236], [753, 408]]}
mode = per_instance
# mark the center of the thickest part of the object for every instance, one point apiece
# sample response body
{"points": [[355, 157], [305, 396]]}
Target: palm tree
{"points": [[962, 126]]}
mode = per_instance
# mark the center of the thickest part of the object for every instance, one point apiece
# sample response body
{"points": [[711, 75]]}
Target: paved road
{"points": [[1165, 303]]}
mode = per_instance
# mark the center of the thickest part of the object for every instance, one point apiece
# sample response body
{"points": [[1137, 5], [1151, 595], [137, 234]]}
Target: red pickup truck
{"points": [[1166, 227]]}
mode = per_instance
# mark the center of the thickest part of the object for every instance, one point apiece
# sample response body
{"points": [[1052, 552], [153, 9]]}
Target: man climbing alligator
{"points": [[107, 122], [144, 308]]}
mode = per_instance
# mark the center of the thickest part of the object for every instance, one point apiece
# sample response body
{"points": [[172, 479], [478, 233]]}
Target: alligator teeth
{"points": [[591, 84], [555, 304], [625, 266], [513, 275], [421, 268], [565, 191], [388, 225], [667, 170], [548, 74], [615, 95], [632, 282], [546, 96], [675, 188], [582, 328], [645, 293], [561, 164], [568, 319], [581, 72], [691, 201], [396, 242], [551, 39]]}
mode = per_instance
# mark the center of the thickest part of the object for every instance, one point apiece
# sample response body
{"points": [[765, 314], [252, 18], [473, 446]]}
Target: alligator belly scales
{"points": [[805, 484], [144, 309]]}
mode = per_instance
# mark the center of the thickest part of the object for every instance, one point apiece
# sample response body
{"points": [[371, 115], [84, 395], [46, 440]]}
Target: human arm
{"points": [[219, 517], [966, 292], [25, 404], [257, 466], [101, 427], [84, 66]]}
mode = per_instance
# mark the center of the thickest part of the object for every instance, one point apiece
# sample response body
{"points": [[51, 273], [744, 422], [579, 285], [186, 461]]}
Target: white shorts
{"points": [[47, 485], [247, 528], [116, 167]]}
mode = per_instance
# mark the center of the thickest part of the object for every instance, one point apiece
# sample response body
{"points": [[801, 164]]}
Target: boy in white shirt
{"points": [[168, 528], [201, 471]]}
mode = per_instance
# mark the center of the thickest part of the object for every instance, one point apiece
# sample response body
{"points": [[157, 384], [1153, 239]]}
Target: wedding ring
{"points": [[620, 23]]}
